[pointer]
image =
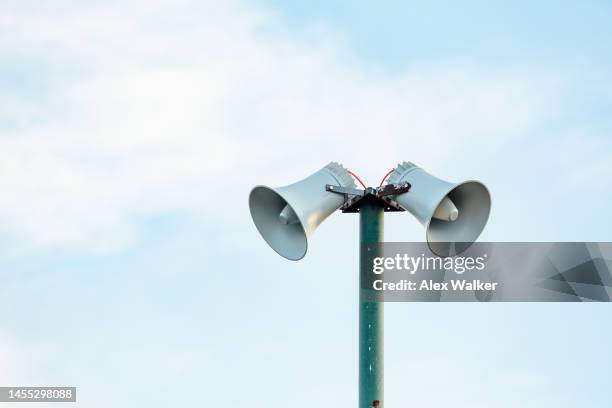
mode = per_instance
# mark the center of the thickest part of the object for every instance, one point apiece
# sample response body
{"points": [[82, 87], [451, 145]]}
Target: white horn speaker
{"points": [[287, 216], [453, 214]]}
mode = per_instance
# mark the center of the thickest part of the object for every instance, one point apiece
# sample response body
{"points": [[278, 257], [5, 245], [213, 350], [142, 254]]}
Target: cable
{"points": [[357, 178], [384, 178]]}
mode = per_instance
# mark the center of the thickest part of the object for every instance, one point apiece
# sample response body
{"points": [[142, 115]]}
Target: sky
{"points": [[132, 132]]}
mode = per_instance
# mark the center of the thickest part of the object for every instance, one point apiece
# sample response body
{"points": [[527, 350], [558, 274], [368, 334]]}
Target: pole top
{"points": [[379, 196]]}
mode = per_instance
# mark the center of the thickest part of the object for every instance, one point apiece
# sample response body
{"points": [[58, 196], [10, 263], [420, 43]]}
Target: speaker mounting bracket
{"points": [[347, 191], [382, 196]]}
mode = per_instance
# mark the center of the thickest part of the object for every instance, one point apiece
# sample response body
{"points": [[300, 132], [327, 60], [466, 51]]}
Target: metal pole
{"points": [[371, 314]]}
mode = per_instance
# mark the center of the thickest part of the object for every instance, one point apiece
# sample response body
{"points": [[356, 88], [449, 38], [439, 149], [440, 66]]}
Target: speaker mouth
{"points": [[288, 240], [448, 238]]}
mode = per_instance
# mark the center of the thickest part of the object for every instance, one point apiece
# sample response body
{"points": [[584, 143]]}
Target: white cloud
{"points": [[15, 360], [148, 107]]}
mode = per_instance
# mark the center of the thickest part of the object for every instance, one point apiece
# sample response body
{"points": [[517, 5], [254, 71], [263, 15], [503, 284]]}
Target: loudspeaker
{"points": [[287, 216], [453, 214]]}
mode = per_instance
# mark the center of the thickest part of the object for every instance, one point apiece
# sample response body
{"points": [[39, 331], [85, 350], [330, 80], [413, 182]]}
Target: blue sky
{"points": [[399, 32], [131, 134]]}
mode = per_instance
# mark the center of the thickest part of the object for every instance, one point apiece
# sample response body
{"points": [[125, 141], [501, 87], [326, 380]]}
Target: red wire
{"points": [[357, 178], [386, 175]]}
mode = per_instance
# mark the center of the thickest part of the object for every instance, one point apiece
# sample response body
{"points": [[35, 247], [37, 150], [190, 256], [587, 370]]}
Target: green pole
{"points": [[371, 314]]}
